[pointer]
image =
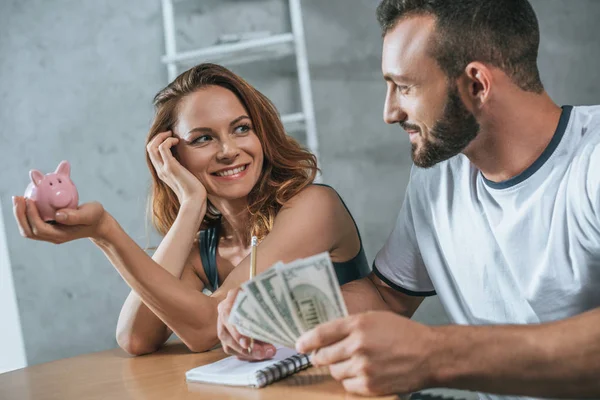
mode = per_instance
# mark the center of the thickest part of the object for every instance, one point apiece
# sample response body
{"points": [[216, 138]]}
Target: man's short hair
{"points": [[501, 33]]}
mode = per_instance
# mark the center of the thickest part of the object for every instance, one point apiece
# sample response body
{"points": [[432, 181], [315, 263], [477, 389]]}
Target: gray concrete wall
{"points": [[76, 83]]}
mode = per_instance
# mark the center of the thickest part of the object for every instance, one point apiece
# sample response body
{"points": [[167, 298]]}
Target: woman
{"points": [[223, 169]]}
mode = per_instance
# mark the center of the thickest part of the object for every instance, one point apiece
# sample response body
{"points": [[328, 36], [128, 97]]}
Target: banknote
{"points": [[266, 309], [287, 300], [270, 285], [313, 291], [249, 323]]}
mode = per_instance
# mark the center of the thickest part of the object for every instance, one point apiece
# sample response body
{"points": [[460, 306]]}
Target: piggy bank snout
{"points": [[61, 197]]}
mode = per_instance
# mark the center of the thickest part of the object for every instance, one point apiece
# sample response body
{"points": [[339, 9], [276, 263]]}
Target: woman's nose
{"points": [[229, 149]]}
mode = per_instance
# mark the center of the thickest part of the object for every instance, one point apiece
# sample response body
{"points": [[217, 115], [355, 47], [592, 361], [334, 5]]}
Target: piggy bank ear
{"points": [[36, 176], [64, 168]]}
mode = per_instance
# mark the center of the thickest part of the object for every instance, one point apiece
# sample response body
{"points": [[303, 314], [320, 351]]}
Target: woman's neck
{"points": [[234, 220]]}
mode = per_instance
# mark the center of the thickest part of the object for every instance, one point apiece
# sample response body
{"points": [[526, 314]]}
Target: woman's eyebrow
{"points": [[238, 119], [209, 130]]}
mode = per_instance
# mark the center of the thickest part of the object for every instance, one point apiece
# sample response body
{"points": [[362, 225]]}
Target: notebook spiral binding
{"points": [[282, 369]]}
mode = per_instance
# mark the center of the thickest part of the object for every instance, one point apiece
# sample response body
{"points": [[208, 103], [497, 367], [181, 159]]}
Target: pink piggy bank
{"points": [[52, 191]]}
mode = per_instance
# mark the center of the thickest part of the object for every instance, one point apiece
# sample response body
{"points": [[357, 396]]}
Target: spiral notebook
{"points": [[233, 372]]}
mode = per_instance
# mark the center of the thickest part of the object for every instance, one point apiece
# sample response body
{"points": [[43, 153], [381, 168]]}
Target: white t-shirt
{"points": [[522, 251]]}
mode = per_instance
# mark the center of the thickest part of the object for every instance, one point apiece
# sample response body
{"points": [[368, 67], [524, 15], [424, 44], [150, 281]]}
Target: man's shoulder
{"points": [[585, 129], [586, 119], [584, 169]]}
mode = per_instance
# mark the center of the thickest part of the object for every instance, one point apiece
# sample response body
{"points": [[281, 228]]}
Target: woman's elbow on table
{"points": [[200, 341], [135, 344]]}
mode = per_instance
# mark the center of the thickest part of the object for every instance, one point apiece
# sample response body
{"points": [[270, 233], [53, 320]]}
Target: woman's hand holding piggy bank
{"points": [[49, 210], [53, 191]]}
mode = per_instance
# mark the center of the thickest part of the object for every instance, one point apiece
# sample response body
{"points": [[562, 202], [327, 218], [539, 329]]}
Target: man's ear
{"points": [[474, 85]]}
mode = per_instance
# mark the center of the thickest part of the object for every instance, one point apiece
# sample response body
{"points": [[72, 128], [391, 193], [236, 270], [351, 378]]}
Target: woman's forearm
{"points": [[190, 314], [139, 330], [174, 249]]}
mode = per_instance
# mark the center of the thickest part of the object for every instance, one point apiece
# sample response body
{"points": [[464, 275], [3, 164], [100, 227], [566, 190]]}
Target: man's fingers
{"points": [[19, 212], [324, 335], [335, 353], [343, 370], [358, 385]]}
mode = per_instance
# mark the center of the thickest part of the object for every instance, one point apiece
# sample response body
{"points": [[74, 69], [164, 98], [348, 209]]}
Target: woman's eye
{"points": [[242, 128], [202, 139]]}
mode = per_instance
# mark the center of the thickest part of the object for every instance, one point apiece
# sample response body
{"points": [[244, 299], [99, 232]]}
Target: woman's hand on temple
{"points": [[169, 170], [232, 341], [88, 220]]}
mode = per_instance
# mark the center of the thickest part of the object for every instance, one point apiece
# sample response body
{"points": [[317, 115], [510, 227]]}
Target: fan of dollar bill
{"points": [[287, 300]]}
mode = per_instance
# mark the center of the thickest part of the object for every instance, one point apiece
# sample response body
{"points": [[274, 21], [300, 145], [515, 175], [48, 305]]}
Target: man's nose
{"points": [[393, 112]]}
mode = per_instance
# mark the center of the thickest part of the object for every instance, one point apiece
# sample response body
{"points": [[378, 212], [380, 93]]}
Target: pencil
{"points": [[252, 273]]}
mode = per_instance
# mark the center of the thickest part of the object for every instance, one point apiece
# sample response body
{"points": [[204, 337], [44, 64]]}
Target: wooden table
{"points": [[114, 375]]}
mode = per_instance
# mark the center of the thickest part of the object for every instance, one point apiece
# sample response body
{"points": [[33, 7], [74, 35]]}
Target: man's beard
{"points": [[451, 133]]}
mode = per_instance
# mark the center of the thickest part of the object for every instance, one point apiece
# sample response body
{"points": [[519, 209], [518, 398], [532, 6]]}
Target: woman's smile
{"points": [[232, 173]]}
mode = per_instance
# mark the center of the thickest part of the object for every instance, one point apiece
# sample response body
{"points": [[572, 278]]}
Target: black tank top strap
{"points": [[208, 243]]}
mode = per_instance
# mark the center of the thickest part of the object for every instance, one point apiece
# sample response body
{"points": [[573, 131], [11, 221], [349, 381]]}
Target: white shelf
{"points": [[249, 50], [274, 46], [294, 122]]}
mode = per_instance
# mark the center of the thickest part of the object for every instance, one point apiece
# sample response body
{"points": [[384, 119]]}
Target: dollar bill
{"points": [[267, 310], [312, 291], [287, 300], [270, 285], [249, 322]]}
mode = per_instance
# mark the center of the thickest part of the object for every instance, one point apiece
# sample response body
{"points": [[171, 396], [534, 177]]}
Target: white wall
{"points": [[12, 350]]}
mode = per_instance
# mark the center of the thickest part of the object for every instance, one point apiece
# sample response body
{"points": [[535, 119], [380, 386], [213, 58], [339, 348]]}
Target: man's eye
{"points": [[404, 89]]}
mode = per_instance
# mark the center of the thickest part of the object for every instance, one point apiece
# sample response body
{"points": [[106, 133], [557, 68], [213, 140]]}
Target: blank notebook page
{"points": [[234, 372]]}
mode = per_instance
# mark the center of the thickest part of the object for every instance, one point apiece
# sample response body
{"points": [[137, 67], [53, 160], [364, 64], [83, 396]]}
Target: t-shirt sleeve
{"points": [[592, 179], [399, 263]]}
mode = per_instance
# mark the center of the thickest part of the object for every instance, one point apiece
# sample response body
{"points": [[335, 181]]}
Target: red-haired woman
{"points": [[223, 169]]}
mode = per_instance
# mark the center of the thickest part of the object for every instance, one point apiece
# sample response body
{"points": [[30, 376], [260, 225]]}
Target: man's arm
{"points": [[373, 294], [559, 359]]}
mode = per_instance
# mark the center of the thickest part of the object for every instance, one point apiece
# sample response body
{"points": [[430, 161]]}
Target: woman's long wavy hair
{"points": [[287, 167]]}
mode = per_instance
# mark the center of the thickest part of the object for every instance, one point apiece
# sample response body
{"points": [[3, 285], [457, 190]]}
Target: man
{"points": [[501, 218]]}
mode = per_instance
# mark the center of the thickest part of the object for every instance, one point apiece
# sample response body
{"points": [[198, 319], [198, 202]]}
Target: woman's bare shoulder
{"points": [[315, 195], [316, 204]]}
